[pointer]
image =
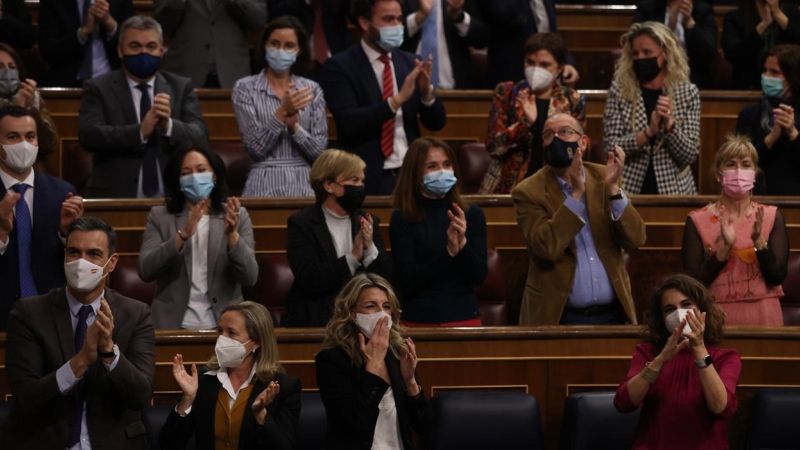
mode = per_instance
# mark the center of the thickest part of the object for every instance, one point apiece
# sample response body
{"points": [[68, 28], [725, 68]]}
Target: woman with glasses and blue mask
{"points": [[282, 116], [772, 124], [438, 240], [243, 399], [199, 247]]}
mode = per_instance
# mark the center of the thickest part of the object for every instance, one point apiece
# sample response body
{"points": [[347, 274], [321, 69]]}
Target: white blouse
{"points": [[387, 429]]}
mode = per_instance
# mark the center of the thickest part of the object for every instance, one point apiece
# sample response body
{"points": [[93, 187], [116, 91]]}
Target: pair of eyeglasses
{"points": [[565, 133]]}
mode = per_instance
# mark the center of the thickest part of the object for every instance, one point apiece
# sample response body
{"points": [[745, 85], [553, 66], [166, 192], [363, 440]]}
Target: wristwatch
{"points": [[112, 354], [618, 196], [766, 247], [705, 362]]}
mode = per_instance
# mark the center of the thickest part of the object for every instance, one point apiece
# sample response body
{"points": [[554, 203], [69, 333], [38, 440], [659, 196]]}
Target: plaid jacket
{"points": [[673, 153]]}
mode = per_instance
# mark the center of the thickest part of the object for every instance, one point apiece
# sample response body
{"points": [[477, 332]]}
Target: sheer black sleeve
{"points": [[696, 263], [773, 260]]}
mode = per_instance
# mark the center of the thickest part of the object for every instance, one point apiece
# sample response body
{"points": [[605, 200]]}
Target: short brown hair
{"points": [[329, 165], [656, 332], [550, 42], [789, 61], [408, 191]]}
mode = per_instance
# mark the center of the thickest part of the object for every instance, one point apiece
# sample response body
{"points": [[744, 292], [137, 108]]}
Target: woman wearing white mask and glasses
{"points": [[519, 110], [199, 247], [438, 240], [244, 400], [282, 116], [684, 383], [366, 371], [737, 247]]}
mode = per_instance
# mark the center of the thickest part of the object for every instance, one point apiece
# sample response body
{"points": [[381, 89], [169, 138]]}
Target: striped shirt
{"points": [[281, 160]]}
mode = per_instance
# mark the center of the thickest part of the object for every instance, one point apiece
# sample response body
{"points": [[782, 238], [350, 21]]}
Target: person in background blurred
{"points": [[16, 28]]}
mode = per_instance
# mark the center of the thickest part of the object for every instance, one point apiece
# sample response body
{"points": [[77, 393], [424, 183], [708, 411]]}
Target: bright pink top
{"points": [[674, 412]]}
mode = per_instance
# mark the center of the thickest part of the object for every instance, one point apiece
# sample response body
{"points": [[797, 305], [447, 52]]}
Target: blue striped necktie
{"points": [[430, 37], [27, 285]]}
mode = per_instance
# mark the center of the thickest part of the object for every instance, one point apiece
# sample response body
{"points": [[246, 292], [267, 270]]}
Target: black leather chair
{"points": [[275, 279], [125, 280], [773, 420], [5, 407], [505, 421], [313, 423], [590, 418]]}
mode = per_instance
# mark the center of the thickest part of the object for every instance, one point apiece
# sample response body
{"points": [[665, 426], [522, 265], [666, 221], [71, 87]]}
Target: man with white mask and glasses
{"points": [[80, 359], [32, 204]]}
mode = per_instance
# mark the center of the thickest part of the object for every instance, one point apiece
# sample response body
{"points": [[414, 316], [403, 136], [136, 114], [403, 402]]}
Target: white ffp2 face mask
{"points": [[367, 322], [230, 352], [82, 275], [20, 156], [674, 319], [538, 78]]}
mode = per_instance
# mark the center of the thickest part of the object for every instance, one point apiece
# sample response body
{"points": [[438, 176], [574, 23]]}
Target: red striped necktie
{"points": [[387, 132]]}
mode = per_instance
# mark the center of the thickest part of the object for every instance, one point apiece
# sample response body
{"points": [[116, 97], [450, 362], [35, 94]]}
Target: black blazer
{"points": [[108, 128], [781, 163], [59, 21], [701, 40], [356, 101], [334, 19], [351, 396], [319, 274], [47, 249], [279, 427], [16, 28], [458, 47]]}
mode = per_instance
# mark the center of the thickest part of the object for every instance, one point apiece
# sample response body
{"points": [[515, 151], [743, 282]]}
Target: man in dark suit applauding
{"points": [[133, 119], [32, 205], [80, 359], [376, 91]]}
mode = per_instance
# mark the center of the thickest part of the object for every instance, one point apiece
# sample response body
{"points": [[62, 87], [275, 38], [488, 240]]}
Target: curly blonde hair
{"points": [[342, 332], [676, 61]]}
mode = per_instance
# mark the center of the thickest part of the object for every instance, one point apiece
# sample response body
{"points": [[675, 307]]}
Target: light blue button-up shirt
{"points": [[591, 285]]}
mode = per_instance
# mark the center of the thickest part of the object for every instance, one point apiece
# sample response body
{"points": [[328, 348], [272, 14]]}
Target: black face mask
{"points": [[352, 199], [646, 69], [559, 153]]}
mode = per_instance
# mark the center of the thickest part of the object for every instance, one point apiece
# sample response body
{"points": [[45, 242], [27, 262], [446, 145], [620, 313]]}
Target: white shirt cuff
{"points": [[463, 27], [432, 100], [352, 262], [4, 245], [169, 128], [185, 413], [411, 24], [66, 379], [113, 365], [370, 255]]}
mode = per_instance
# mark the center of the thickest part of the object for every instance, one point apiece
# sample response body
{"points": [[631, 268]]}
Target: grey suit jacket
{"points": [[40, 340], [109, 128], [203, 33], [228, 270]]}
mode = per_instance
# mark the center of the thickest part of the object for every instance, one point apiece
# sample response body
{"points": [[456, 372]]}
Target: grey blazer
{"points": [[109, 128], [206, 32], [159, 261]]}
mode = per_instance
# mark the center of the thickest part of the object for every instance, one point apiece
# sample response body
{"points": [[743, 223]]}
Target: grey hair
{"points": [[576, 121], [89, 223], [140, 23]]}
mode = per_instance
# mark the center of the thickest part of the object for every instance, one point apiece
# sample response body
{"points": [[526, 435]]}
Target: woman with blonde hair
{"points": [[366, 371], [244, 400], [653, 113], [331, 240], [737, 247]]}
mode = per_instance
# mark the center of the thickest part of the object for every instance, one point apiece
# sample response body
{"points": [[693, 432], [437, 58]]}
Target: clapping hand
{"points": [[100, 10], [366, 230], [71, 209], [569, 75], [187, 383], [727, 234], [527, 101], [664, 110], [685, 7], [575, 175], [163, 110], [454, 9], [105, 321], [784, 120], [7, 205], [697, 322], [457, 231], [408, 366], [27, 92], [614, 166], [263, 400], [675, 344], [196, 213], [425, 78]]}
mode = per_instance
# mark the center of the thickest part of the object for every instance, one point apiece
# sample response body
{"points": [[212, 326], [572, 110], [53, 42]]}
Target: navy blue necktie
{"points": [[27, 285], [80, 336], [149, 161]]}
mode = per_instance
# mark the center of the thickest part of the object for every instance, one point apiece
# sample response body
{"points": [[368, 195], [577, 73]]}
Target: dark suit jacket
{"points": [[318, 274], [355, 98], [334, 19], [701, 40], [511, 23], [458, 47], [40, 340], [351, 396], [48, 250], [109, 128], [16, 28], [59, 21], [277, 433]]}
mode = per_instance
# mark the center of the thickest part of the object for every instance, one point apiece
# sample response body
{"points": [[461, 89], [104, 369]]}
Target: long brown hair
{"points": [[408, 191], [656, 331]]}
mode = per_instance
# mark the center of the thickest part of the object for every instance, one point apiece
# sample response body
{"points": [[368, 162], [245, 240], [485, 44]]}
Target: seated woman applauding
{"points": [[366, 372], [737, 247], [685, 385], [331, 240], [244, 400], [198, 247]]}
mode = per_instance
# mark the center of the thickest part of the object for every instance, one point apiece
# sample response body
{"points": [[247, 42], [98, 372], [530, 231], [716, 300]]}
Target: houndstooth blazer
{"points": [[673, 153]]}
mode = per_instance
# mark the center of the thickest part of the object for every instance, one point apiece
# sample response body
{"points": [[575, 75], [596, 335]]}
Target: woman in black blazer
{"points": [[331, 240], [245, 364], [366, 372]]}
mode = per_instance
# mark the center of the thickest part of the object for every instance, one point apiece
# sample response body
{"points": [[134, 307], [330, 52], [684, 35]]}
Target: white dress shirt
{"points": [[679, 31], [9, 182], [224, 379], [540, 16], [199, 315], [100, 64], [446, 78], [387, 428]]}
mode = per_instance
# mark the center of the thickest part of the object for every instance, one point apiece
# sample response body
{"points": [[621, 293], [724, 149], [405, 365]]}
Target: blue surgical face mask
{"points": [[197, 186], [772, 87], [142, 65], [391, 37], [280, 60], [439, 183]]}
